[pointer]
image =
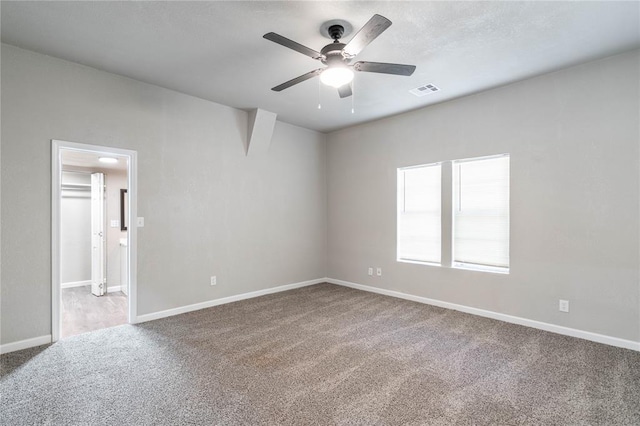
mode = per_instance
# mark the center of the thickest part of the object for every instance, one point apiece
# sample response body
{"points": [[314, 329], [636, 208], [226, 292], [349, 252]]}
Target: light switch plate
{"points": [[115, 223], [141, 222]]}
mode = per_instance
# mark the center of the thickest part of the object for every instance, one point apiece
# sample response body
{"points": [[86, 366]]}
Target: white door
{"points": [[98, 281]]}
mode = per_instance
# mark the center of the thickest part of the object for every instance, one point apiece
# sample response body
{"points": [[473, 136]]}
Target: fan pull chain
{"points": [[319, 95], [353, 95]]}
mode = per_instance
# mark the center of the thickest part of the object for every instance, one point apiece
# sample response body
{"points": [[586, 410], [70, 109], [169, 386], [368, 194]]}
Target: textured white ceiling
{"points": [[215, 50]]}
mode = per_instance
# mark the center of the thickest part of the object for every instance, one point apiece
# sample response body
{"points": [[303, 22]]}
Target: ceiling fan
{"points": [[337, 57]]}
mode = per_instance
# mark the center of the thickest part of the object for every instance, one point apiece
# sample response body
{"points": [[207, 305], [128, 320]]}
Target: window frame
{"points": [[470, 265], [448, 205], [399, 211]]}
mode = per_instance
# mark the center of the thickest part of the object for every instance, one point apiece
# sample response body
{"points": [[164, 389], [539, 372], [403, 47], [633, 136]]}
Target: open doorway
{"points": [[93, 250]]}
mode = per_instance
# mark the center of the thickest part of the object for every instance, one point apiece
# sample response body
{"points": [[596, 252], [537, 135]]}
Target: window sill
{"points": [[481, 268], [419, 262], [463, 266]]}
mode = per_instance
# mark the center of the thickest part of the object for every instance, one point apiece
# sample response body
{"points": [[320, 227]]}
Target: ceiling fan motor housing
{"points": [[332, 54]]}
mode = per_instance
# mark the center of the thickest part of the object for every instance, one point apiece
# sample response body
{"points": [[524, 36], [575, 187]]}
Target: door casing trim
{"points": [[132, 233]]}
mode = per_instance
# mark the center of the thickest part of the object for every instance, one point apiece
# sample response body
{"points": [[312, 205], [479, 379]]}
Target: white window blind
{"points": [[419, 209], [481, 212]]}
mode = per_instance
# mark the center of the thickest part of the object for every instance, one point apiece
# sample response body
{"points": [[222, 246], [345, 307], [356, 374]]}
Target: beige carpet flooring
{"points": [[83, 312], [321, 355]]}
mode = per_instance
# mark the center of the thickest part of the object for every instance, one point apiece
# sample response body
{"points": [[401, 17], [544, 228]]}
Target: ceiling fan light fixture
{"points": [[336, 76]]}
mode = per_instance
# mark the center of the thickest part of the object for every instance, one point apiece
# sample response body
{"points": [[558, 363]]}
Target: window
{"points": [[474, 194], [481, 213], [419, 211]]}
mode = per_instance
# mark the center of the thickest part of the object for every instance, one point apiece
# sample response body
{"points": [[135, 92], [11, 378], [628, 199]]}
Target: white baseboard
{"points": [[24, 344], [224, 300], [75, 284], [114, 288], [587, 335]]}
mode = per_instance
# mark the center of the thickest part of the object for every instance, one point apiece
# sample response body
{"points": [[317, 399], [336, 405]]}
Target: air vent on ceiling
{"points": [[424, 90]]}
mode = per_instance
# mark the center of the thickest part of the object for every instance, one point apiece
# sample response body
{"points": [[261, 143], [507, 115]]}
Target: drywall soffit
{"points": [[260, 131]]}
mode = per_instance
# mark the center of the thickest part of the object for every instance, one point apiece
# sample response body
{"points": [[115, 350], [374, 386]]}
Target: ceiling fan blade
{"points": [[372, 29], [384, 68], [297, 80], [345, 90], [277, 38]]}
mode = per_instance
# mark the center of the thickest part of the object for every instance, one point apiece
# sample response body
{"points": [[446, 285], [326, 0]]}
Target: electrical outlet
{"points": [[214, 280], [370, 272], [379, 272], [563, 305]]}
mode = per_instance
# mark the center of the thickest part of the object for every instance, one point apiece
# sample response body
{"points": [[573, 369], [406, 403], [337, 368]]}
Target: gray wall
{"points": [[258, 222], [255, 222], [573, 137]]}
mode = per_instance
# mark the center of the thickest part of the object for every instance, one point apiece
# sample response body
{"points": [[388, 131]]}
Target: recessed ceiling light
{"points": [[108, 160]]}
